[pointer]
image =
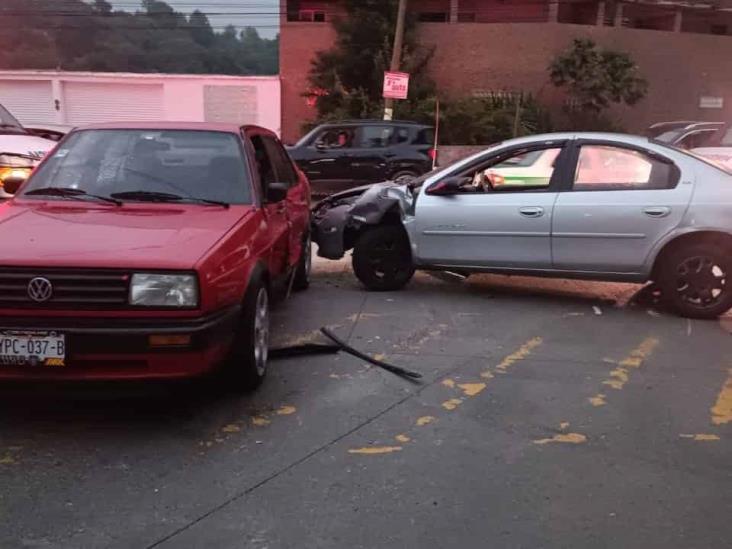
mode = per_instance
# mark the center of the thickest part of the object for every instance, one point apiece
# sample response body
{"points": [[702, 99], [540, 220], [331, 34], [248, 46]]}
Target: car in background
{"points": [[151, 250], [20, 151], [686, 135], [342, 155], [719, 148], [616, 207]]}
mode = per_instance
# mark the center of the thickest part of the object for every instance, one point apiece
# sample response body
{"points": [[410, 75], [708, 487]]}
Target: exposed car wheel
{"points": [[382, 259], [304, 266], [403, 177], [247, 365], [695, 281]]}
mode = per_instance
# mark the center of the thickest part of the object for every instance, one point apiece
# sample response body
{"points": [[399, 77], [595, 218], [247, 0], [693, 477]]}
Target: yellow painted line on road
{"points": [[722, 409], [231, 428], [286, 410], [565, 438], [260, 421], [620, 375], [452, 403], [448, 383], [425, 420], [7, 459], [598, 400], [472, 389], [519, 354], [402, 438], [375, 450], [701, 437]]}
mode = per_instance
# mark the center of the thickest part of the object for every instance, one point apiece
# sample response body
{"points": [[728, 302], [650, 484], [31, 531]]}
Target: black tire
{"points": [[304, 266], [404, 176], [246, 367], [694, 280], [382, 259]]}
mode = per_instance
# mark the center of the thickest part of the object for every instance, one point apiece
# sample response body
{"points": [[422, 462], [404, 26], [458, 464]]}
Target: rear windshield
{"points": [[194, 164], [696, 156]]}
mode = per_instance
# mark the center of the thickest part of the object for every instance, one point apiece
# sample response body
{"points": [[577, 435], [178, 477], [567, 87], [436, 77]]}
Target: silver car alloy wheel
{"points": [[261, 331]]}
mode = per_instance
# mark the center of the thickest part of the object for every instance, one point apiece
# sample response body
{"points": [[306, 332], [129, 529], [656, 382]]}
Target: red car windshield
{"points": [[204, 165]]}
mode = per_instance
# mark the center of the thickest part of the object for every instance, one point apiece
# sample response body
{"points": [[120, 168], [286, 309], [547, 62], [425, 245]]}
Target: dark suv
{"points": [[341, 155]]}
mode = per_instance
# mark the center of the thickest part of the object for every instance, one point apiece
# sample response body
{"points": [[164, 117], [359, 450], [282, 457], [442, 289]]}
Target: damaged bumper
{"points": [[337, 220]]}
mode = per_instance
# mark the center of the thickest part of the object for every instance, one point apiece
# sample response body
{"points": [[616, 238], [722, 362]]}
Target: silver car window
{"points": [[604, 167]]}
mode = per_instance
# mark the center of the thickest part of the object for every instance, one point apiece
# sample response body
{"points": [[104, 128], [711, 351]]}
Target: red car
{"points": [[150, 250]]}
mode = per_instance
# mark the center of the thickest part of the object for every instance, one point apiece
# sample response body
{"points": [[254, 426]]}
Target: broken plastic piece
{"points": [[305, 349], [388, 367]]}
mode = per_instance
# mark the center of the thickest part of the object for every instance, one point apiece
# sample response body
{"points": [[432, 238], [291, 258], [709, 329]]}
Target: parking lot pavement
{"points": [[551, 414]]}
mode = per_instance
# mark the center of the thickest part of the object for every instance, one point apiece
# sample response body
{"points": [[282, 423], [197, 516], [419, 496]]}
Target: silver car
{"points": [[609, 207]]}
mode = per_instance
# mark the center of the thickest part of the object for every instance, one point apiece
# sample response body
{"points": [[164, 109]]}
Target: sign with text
{"points": [[707, 102], [396, 85]]}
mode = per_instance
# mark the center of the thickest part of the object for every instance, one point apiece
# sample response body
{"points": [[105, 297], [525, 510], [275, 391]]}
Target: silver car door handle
{"points": [[657, 211], [533, 211]]}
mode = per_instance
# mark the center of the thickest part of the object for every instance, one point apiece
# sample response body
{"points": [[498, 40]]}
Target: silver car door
{"points": [[508, 226], [623, 199]]}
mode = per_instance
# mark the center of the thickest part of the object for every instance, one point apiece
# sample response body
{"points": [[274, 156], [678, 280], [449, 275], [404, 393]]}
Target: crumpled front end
{"points": [[339, 219]]}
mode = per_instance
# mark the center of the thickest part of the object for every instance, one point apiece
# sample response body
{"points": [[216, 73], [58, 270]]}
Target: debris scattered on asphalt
{"points": [[597, 310], [652, 312], [397, 370], [448, 276]]}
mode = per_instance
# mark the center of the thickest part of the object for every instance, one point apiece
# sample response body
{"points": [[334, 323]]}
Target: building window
{"points": [[433, 17], [311, 16], [466, 17]]}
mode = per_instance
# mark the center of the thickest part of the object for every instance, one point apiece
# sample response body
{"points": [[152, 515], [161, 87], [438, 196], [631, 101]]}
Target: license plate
{"points": [[32, 348]]}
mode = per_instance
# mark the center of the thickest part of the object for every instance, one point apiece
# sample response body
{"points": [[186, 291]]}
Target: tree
{"points": [[200, 29], [91, 36], [595, 78], [349, 77]]}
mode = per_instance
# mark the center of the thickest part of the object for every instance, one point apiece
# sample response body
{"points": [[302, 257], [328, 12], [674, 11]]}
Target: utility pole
{"points": [[396, 54]]}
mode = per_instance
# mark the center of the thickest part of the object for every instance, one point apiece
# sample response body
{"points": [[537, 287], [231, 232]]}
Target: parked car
{"points": [[616, 207], [343, 155], [686, 135], [20, 151], [151, 250], [719, 147]]}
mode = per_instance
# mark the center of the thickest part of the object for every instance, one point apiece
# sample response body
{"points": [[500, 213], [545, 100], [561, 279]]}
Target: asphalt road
{"points": [[551, 414]]}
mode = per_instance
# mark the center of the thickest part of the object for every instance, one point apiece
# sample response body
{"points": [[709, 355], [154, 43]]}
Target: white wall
{"points": [[183, 96]]}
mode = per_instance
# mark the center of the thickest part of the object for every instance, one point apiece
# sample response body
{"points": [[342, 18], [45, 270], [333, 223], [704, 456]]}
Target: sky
{"points": [[240, 13]]}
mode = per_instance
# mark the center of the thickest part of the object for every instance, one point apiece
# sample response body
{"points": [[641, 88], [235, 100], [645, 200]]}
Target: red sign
{"points": [[396, 85]]}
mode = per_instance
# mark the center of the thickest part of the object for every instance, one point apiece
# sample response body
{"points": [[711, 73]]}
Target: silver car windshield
{"points": [[204, 165]]}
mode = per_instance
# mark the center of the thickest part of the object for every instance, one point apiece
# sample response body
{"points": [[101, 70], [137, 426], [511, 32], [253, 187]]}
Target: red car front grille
{"points": [[70, 289]]}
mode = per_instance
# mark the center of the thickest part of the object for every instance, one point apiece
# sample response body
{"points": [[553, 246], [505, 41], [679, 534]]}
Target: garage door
{"points": [[30, 101], [88, 103]]}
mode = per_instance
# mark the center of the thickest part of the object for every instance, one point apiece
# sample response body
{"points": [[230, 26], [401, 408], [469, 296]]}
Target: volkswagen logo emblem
{"points": [[40, 289]]}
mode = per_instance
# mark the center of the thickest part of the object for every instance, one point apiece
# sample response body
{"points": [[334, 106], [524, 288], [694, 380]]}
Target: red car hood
{"points": [[76, 234]]}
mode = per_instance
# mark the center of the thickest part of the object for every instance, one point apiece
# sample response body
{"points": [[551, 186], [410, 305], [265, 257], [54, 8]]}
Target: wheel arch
{"points": [[391, 216], [702, 235]]}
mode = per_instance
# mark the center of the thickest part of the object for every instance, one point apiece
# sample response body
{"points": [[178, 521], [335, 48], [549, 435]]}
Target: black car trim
{"points": [[123, 326]]}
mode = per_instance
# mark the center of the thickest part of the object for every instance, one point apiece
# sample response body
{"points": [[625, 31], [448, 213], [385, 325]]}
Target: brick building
{"points": [[684, 49]]}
